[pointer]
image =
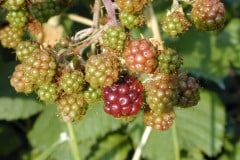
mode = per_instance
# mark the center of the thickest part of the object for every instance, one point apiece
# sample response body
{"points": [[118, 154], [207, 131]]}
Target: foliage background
{"points": [[210, 130]]}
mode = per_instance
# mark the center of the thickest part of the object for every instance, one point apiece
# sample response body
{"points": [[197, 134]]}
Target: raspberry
{"points": [[48, 92], [189, 91], [40, 67], [17, 18], [123, 99], [140, 56], [72, 107], [11, 36], [114, 38], [43, 11], [169, 61], [162, 92], [24, 49], [175, 23], [131, 6], [101, 70], [131, 21], [208, 15], [71, 81], [19, 81], [13, 4], [92, 95], [159, 121]]}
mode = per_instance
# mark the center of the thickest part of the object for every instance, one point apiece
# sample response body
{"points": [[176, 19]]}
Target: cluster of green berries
{"points": [[207, 15], [22, 12], [128, 74]]}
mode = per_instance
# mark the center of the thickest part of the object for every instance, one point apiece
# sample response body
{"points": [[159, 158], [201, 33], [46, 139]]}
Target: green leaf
{"points": [[48, 128], [210, 54], [113, 147], [200, 127], [18, 108], [9, 139], [96, 123]]}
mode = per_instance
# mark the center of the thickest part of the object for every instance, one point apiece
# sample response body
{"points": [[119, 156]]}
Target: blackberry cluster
{"points": [[129, 74], [21, 12]]}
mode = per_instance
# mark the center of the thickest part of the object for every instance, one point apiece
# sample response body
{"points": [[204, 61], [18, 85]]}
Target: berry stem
{"points": [[153, 25], [80, 19], [175, 142], [73, 142], [142, 143], [96, 11], [110, 8], [175, 5]]}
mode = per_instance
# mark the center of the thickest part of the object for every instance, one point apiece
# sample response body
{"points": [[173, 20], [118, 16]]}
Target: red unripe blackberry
{"points": [[131, 21], [208, 15], [169, 61], [124, 99], [131, 6], [24, 49], [189, 91], [17, 18], [71, 81], [114, 38], [101, 70], [140, 56], [175, 23], [92, 95], [162, 92], [40, 67], [19, 81], [72, 107], [159, 121], [11, 36], [48, 92]]}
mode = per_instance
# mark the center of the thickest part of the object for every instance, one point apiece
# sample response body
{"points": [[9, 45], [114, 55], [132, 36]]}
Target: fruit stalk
{"points": [[175, 142], [73, 142], [142, 143]]}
